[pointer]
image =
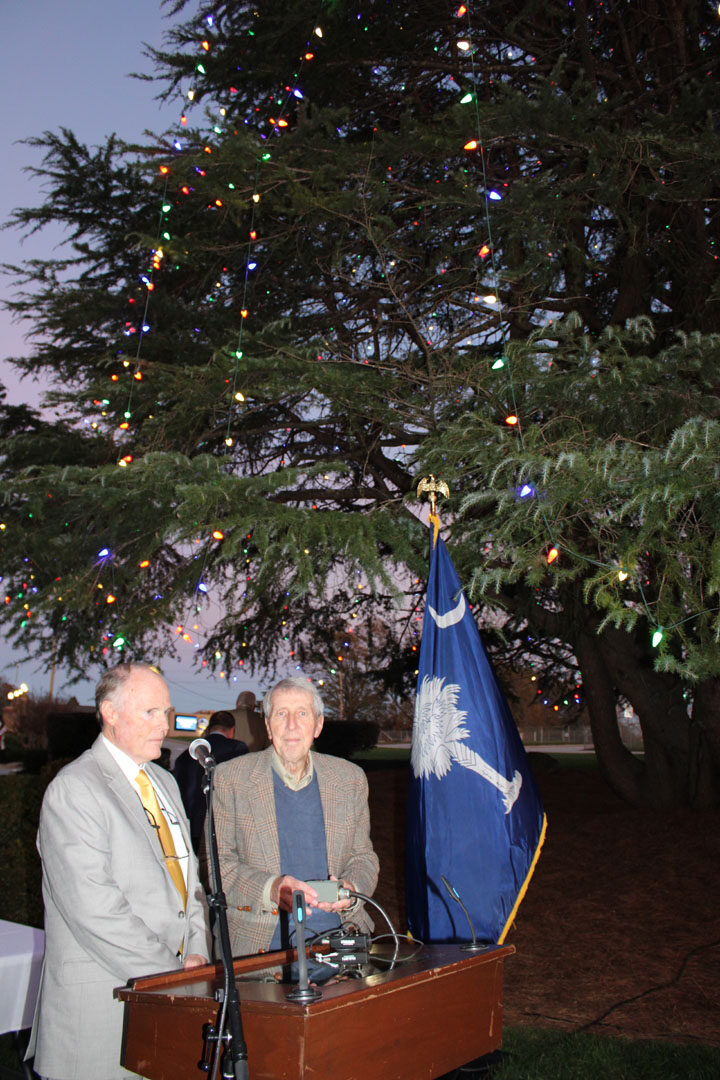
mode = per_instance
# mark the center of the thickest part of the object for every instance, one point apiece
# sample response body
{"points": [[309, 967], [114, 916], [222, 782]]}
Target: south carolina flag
{"points": [[474, 811]]}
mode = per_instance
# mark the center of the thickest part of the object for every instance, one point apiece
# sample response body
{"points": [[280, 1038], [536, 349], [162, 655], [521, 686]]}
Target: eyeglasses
{"points": [[154, 825]]}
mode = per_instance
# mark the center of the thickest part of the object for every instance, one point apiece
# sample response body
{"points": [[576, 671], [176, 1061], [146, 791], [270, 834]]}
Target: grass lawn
{"points": [[532, 1054]]}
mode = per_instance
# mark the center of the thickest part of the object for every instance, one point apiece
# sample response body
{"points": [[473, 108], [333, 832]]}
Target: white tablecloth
{"points": [[21, 954]]}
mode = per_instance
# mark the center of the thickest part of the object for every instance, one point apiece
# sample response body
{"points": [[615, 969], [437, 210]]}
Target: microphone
{"points": [[469, 946], [303, 991], [200, 750]]}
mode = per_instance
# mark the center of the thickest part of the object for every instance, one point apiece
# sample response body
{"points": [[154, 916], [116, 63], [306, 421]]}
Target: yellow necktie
{"points": [[159, 822]]}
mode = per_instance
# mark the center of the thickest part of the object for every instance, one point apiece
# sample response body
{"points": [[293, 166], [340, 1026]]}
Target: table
{"points": [[439, 1010], [21, 955]]}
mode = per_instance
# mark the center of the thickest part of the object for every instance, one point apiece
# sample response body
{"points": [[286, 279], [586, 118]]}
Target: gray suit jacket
{"points": [[111, 912], [244, 807]]}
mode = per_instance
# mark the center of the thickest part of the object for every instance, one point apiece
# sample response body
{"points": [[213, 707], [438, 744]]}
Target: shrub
{"points": [[20, 883], [343, 738]]}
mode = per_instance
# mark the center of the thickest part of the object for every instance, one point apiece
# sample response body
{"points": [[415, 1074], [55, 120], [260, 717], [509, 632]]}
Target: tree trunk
{"points": [[622, 770], [679, 769], [706, 732], [681, 762]]}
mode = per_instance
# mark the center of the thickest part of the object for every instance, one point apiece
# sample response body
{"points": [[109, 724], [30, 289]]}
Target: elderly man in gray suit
{"points": [[288, 815], [120, 886]]}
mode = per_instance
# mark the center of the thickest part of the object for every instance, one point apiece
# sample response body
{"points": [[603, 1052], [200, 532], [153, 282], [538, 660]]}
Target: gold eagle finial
{"points": [[434, 488]]}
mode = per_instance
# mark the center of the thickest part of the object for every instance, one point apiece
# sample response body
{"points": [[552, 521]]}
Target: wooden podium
{"points": [[429, 1015]]}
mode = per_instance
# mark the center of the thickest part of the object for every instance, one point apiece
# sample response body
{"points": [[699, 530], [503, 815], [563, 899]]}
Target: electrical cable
{"points": [[393, 933]]}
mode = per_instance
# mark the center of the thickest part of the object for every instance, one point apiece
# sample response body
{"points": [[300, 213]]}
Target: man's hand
{"points": [[194, 960], [282, 889], [339, 905]]}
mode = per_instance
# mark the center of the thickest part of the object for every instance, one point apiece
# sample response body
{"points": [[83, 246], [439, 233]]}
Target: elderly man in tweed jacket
{"points": [[287, 815]]}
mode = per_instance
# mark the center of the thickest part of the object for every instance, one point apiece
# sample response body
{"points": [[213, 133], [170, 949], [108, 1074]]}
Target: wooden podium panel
{"points": [[427, 1016]]}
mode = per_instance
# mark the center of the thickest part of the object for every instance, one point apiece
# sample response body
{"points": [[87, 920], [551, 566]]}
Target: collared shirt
{"points": [[130, 769], [288, 778]]}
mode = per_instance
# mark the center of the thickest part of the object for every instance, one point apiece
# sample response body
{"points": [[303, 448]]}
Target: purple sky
{"points": [[67, 64]]}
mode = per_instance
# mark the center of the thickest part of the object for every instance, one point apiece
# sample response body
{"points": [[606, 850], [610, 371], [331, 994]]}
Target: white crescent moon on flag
{"points": [[451, 617]]}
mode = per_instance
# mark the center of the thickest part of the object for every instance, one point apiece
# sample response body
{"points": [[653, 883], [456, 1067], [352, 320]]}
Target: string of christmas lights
{"points": [[529, 489], [277, 122]]}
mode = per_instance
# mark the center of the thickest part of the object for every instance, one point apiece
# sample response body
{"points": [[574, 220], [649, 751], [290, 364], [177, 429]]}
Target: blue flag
{"points": [[474, 811]]}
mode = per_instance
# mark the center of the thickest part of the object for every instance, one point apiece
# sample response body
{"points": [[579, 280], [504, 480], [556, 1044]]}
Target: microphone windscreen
{"points": [[196, 746]]}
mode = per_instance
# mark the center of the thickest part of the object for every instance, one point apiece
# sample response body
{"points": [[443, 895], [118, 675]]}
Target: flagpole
{"points": [[526, 882], [475, 816]]}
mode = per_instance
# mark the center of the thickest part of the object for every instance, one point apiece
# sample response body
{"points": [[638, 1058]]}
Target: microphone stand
{"points": [[235, 1049], [469, 946], [303, 992]]}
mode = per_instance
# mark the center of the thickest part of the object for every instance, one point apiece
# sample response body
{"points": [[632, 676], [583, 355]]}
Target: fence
{"points": [[579, 735]]}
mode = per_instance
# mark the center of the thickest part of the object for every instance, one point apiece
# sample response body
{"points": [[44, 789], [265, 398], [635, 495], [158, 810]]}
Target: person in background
{"points": [[249, 724], [189, 774], [287, 815], [120, 884]]}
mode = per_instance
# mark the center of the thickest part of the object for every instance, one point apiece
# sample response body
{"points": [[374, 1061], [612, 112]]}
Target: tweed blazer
{"points": [[111, 912], [244, 809]]}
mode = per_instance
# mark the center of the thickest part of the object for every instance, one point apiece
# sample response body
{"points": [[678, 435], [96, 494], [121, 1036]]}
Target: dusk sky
{"points": [[68, 65]]}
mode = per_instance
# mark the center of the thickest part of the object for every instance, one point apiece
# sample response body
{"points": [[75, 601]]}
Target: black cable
{"points": [[393, 932], [650, 989]]}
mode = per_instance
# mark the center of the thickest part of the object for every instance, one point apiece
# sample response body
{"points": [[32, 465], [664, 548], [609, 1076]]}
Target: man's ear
{"points": [[108, 713], [318, 726]]}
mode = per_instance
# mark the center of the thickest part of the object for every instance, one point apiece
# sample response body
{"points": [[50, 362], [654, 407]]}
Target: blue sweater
{"points": [[303, 854]]}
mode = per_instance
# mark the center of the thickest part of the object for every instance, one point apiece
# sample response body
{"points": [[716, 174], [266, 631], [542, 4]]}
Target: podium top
{"points": [[254, 975]]}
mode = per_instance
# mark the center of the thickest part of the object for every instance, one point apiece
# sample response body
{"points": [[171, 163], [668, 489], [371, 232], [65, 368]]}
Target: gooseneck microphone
{"points": [[468, 946], [200, 750], [303, 991]]}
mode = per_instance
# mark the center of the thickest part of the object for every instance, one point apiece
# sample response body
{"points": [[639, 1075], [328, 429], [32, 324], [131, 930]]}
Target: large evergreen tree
{"points": [[273, 320]]}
